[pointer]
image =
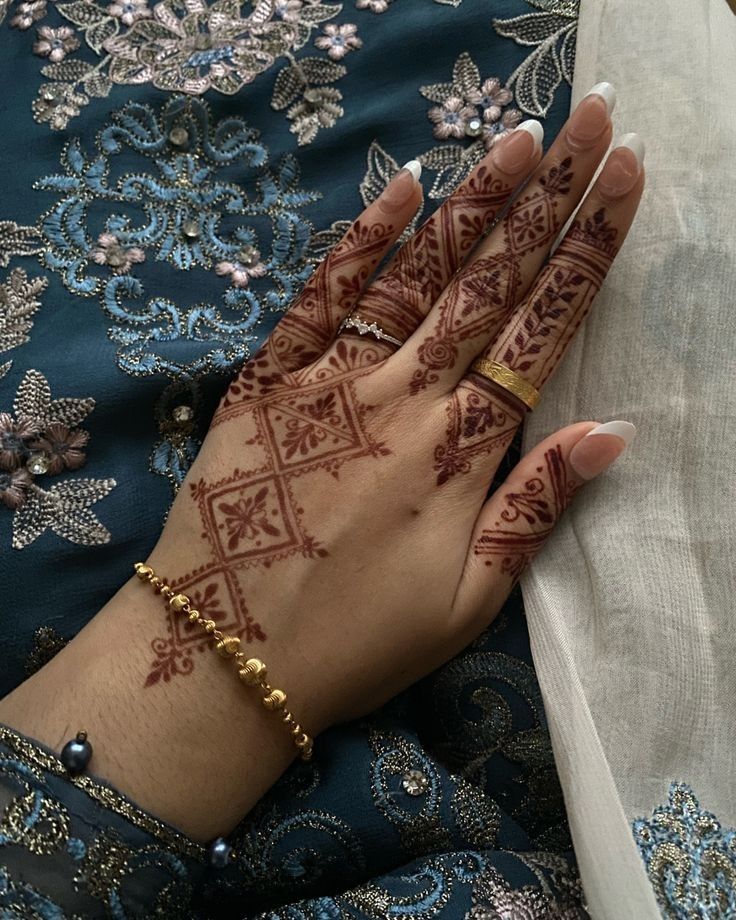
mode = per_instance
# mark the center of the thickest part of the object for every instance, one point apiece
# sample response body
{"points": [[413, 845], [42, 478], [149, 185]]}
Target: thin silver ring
{"points": [[363, 328]]}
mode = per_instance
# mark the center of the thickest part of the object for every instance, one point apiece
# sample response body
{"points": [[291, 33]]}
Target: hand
{"points": [[336, 518]]}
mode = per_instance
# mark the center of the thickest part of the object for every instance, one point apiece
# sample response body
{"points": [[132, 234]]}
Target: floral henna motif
{"points": [[484, 294], [294, 425], [534, 343], [479, 422], [533, 510]]}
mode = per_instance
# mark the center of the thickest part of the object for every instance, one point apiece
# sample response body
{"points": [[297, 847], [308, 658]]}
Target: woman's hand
{"points": [[336, 517]]}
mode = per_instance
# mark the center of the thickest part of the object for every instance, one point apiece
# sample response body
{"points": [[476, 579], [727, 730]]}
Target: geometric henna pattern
{"points": [[528, 517], [486, 291], [303, 421], [401, 296]]}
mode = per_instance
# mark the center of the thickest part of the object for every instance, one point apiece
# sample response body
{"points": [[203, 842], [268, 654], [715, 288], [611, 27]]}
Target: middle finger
{"points": [[475, 305]]}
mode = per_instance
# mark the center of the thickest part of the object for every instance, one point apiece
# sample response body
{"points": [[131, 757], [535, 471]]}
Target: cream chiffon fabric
{"points": [[631, 605]]}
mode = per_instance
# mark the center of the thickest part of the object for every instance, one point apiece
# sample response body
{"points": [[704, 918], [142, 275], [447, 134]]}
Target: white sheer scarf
{"points": [[631, 606]]}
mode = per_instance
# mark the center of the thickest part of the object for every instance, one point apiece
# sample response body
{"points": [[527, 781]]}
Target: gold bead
{"points": [[276, 699], [178, 602], [306, 747], [288, 718], [144, 572], [252, 672], [228, 645], [156, 583], [193, 616], [209, 625]]}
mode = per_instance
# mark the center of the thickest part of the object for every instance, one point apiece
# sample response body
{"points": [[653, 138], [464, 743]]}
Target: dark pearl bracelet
{"points": [[76, 754]]}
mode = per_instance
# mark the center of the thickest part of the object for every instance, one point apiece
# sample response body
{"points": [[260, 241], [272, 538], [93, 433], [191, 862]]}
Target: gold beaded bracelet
{"points": [[252, 671]]}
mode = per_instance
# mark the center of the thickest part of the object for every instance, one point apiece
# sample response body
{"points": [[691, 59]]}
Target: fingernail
{"points": [[591, 117], [401, 188], [623, 167], [608, 91], [516, 151], [599, 448]]}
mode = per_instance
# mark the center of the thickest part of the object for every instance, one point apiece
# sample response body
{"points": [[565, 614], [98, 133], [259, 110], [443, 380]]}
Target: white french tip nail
{"points": [[624, 430], [608, 91], [536, 129], [635, 144], [415, 168]]}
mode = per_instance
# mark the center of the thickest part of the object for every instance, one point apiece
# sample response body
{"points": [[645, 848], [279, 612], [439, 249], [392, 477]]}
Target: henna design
{"points": [[538, 505], [294, 424], [480, 421], [401, 296], [484, 294], [534, 343]]}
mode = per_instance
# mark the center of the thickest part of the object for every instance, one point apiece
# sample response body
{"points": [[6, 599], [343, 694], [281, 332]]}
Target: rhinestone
{"points": [[182, 413], [415, 782], [190, 229], [38, 464], [474, 127], [53, 94], [179, 136], [249, 256], [115, 257]]}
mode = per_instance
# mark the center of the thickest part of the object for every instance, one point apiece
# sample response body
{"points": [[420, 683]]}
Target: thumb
{"points": [[517, 519]]}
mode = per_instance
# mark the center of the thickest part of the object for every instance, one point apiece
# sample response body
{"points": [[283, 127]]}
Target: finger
{"points": [[536, 337], [305, 332], [473, 308], [515, 522], [401, 296]]}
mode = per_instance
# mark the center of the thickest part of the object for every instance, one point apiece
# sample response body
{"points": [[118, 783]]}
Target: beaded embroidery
{"points": [[18, 303], [690, 858]]}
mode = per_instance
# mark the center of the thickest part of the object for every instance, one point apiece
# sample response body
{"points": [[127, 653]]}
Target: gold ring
{"points": [[507, 379]]}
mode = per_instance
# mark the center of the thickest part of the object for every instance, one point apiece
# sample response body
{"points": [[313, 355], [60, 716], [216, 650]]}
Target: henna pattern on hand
{"points": [[401, 296], [534, 510], [486, 291], [299, 423]]}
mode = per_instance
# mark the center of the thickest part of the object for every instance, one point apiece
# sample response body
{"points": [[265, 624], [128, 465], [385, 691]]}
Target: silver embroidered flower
{"points": [[288, 10], [110, 251], [491, 97], [496, 129], [375, 6], [28, 12], [57, 103], [128, 11], [55, 44], [191, 47], [451, 118], [62, 448], [338, 40]]}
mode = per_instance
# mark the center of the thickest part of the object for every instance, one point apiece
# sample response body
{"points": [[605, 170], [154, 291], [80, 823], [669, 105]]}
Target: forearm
{"points": [[197, 751]]}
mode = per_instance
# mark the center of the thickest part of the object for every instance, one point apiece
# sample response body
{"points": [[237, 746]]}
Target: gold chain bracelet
{"points": [[252, 671]]}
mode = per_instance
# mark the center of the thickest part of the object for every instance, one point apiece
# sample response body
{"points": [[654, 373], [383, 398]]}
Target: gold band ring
{"points": [[507, 379]]}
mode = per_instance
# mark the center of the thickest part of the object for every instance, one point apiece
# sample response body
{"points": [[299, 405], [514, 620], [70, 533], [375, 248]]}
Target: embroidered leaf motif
{"points": [[101, 32], [16, 240], [73, 70], [382, 167], [18, 303], [98, 85], [465, 74], [441, 156], [82, 13], [325, 240], [553, 34], [450, 176], [33, 401], [4, 368], [319, 105], [63, 509]]}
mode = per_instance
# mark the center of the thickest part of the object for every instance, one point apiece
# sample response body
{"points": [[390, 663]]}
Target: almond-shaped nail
{"points": [[516, 151], [600, 447], [401, 188], [623, 167], [591, 117]]}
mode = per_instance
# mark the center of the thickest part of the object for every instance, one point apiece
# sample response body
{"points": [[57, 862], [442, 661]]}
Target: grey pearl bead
{"points": [[219, 853], [76, 755]]}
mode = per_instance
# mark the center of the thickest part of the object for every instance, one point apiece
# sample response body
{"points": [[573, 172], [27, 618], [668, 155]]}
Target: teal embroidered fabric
{"points": [[171, 175]]}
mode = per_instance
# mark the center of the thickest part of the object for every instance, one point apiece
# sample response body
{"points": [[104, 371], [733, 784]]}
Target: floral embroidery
{"points": [[42, 440], [55, 44], [300, 88], [467, 107], [18, 303], [690, 858], [552, 32], [110, 251], [128, 11], [375, 6], [29, 11], [338, 40]]}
